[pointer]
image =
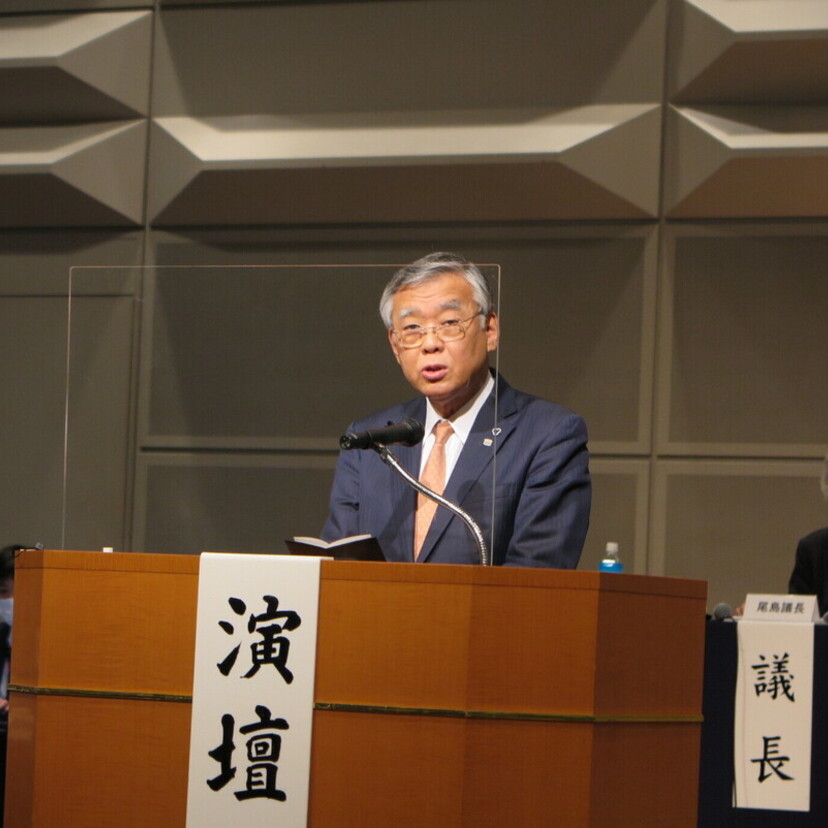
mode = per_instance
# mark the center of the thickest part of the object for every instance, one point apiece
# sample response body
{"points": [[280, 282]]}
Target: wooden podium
{"points": [[445, 695]]}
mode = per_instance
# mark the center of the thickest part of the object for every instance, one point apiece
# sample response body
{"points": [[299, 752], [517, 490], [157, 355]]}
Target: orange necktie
{"points": [[433, 476]]}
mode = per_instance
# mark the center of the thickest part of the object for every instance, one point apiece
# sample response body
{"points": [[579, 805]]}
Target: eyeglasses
{"points": [[454, 329]]}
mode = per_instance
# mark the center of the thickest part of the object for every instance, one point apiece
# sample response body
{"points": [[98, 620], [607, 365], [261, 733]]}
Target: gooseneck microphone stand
{"points": [[388, 458]]}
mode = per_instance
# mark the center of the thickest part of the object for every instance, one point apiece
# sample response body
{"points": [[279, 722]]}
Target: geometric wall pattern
{"points": [[50, 175], [748, 161], [75, 96], [501, 165], [764, 52], [649, 176], [749, 122], [80, 67]]}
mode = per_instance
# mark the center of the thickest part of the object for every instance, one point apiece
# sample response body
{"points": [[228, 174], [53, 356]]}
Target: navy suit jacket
{"points": [[810, 572], [533, 474]]}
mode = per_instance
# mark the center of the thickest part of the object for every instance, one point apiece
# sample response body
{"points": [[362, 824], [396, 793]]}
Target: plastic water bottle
{"points": [[611, 562]]}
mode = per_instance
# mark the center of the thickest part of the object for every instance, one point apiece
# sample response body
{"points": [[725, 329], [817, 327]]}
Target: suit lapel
{"points": [[402, 498]]}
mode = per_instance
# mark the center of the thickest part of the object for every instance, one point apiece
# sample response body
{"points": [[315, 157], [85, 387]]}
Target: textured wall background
{"points": [[651, 178]]}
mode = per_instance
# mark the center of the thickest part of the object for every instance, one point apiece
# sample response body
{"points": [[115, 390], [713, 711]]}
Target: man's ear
{"points": [[492, 332], [394, 346]]}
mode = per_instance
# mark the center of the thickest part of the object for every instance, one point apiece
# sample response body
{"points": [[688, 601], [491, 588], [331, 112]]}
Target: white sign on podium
{"points": [[252, 714]]}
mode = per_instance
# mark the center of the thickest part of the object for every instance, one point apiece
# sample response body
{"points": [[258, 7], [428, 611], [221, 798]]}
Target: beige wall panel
{"points": [[90, 67], [70, 176], [189, 503], [577, 310], [771, 51], [451, 166], [37, 262], [620, 496], [578, 327], [369, 56], [735, 524], [750, 137], [34, 269], [99, 416], [746, 162], [278, 115], [32, 430], [29, 6], [262, 356], [772, 71], [743, 356], [428, 193]]}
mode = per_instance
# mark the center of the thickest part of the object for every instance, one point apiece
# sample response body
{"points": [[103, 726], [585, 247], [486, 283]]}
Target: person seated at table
{"points": [[810, 572], [7, 556]]}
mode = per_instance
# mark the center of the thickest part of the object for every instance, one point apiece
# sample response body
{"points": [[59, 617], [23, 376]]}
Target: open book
{"points": [[353, 548]]}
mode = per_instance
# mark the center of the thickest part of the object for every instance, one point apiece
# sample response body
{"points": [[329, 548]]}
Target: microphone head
{"points": [[348, 441], [417, 432], [407, 433], [722, 612]]}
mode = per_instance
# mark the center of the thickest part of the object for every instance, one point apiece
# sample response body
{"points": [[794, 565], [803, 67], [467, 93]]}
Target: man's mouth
{"points": [[434, 373]]}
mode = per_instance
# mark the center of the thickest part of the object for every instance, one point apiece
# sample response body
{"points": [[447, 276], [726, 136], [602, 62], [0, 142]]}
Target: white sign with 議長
{"points": [[774, 699], [250, 738]]}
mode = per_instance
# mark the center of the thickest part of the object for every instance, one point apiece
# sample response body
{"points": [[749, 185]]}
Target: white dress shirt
{"points": [[461, 422]]}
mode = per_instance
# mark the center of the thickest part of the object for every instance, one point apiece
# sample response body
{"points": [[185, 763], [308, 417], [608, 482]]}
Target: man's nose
{"points": [[432, 342]]}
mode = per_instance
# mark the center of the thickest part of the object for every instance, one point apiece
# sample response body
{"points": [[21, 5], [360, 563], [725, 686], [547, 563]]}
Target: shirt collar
{"points": [[463, 420]]}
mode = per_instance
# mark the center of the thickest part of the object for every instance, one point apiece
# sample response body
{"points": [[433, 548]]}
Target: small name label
{"points": [[781, 608]]}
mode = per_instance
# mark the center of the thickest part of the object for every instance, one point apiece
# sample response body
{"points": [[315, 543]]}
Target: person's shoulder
{"points": [[816, 539], [537, 408], [388, 416]]}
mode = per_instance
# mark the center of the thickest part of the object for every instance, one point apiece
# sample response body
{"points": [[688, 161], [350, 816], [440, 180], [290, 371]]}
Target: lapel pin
{"points": [[487, 441], [496, 430]]}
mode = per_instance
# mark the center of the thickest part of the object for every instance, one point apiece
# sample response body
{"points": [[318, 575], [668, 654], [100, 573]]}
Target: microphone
{"points": [[722, 612], [409, 432]]}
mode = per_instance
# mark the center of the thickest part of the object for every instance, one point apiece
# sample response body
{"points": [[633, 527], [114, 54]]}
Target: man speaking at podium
{"points": [[510, 460]]}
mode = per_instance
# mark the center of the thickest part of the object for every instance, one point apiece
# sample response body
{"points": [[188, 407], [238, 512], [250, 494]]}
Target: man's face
{"points": [[448, 373]]}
